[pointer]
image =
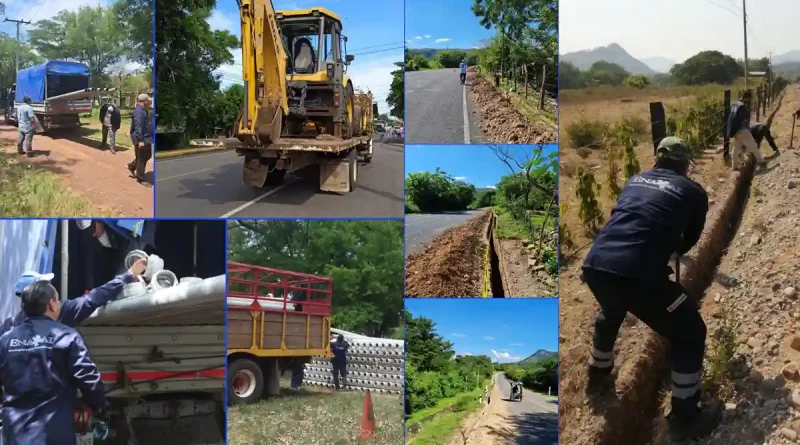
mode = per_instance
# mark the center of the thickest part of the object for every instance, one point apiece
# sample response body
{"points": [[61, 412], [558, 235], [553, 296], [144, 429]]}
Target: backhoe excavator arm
{"points": [[263, 73]]}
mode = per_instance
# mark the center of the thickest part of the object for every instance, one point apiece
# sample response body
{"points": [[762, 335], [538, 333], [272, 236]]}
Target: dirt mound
{"points": [[451, 265], [503, 124]]}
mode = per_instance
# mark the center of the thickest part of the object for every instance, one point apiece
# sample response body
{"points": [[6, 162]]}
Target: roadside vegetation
{"points": [[537, 375], [441, 388]]}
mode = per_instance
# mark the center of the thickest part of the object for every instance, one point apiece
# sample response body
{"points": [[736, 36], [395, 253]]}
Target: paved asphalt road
{"points": [[435, 109], [535, 417], [423, 227], [210, 185]]}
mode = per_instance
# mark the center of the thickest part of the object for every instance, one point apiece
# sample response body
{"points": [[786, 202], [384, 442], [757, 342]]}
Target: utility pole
{"points": [[744, 19], [18, 22]]}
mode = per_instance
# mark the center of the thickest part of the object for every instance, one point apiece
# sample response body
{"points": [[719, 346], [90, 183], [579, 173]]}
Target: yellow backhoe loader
{"points": [[300, 109]]}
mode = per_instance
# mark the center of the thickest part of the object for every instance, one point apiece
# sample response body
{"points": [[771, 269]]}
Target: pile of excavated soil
{"points": [[500, 122], [451, 265]]}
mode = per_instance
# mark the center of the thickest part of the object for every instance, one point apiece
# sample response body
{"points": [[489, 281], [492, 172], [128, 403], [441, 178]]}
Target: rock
{"points": [[793, 399], [789, 434], [768, 386], [754, 342], [717, 298], [755, 240], [792, 185], [790, 292], [790, 371], [730, 407], [756, 376]]}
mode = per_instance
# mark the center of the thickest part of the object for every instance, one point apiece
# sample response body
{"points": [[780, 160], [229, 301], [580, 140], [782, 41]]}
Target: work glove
{"points": [[99, 425]]}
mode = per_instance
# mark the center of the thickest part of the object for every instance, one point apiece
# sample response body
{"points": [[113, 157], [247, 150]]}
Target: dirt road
{"points": [[533, 421], [97, 175]]}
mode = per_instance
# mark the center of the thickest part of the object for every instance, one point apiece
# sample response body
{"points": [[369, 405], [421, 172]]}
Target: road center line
{"points": [[466, 117], [255, 200], [184, 174]]}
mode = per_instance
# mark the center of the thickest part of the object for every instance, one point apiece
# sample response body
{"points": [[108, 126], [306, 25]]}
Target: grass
{"points": [[569, 97], [31, 192], [92, 124], [509, 228], [717, 373], [528, 106], [314, 417], [447, 417]]}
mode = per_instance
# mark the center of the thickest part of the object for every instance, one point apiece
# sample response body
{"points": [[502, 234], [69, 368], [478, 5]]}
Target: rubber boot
{"points": [[699, 424]]}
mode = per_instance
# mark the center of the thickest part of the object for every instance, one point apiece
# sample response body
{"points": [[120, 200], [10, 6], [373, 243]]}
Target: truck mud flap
{"points": [[254, 173], [194, 430], [339, 175]]}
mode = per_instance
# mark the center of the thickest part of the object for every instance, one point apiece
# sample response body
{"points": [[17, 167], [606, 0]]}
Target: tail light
{"points": [[335, 99]]}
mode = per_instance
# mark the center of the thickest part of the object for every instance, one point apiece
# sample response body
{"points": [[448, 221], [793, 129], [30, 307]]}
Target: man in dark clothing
{"points": [[738, 128], [339, 361], [659, 212], [42, 365], [142, 138], [110, 119], [761, 132], [74, 311]]}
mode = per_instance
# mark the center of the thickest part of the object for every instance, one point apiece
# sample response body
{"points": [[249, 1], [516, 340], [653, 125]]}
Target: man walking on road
{"points": [[111, 119], [27, 123], [659, 212], [42, 364], [339, 361], [463, 71], [739, 131], [142, 138]]}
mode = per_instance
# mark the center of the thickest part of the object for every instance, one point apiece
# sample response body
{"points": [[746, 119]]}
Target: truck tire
{"points": [[357, 130], [352, 169], [275, 177], [245, 382]]}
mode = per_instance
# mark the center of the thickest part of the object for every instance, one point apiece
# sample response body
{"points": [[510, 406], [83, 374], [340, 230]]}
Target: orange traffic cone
{"points": [[367, 419]]}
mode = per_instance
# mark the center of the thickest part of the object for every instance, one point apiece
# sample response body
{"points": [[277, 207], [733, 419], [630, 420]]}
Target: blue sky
{"points": [[475, 164], [443, 24], [374, 27], [507, 330]]}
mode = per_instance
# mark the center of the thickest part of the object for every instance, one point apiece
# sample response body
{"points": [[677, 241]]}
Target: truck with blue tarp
{"points": [[160, 351], [59, 92]]}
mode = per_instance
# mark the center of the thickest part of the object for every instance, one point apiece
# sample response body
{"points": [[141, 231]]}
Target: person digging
{"points": [[660, 212]]}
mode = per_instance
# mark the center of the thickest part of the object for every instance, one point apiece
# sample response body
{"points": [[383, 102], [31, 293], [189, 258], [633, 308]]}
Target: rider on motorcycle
{"points": [[516, 390]]}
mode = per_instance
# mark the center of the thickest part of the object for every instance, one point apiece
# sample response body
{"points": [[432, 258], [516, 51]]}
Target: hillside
{"points": [[612, 53], [431, 52], [789, 57], [538, 356], [659, 64]]}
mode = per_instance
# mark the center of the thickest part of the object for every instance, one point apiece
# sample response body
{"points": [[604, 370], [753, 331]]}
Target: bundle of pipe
{"points": [[376, 364]]}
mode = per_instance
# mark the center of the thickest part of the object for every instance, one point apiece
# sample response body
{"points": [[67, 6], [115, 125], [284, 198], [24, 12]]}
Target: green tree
{"points": [[570, 77], [228, 107], [135, 17], [438, 192], [707, 67], [606, 73], [90, 35], [188, 51], [426, 349], [8, 48], [365, 259], [639, 81], [451, 58], [485, 198], [397, 92]]}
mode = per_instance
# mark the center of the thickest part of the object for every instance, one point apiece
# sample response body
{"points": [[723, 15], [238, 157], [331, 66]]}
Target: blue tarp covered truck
{"points": [[161, 354], [59, 91]]}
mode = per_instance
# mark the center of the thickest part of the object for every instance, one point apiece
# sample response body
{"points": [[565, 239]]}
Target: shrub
{"points": [[590, 212], [587, 133]]}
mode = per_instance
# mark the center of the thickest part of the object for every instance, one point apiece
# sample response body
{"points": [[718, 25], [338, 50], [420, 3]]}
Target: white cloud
{"points": [[467, 354], [442, 40], [408, 41], [491, 187], [418, 38], [505, 357], [455, 334], [460, 178], [488, 338], [427, 36]]}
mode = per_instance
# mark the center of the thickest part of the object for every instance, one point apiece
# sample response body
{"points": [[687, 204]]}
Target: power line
{"points": [[402, 42], [723, 7], [18, 22]]}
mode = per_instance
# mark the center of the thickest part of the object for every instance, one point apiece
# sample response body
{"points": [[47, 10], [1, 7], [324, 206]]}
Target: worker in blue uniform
{"points": [[659, 213], [74, 311], [42, 365]]}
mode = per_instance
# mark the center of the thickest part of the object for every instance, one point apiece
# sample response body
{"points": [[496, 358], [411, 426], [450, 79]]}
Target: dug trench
{"points": [[634, 413], [463, 261]]}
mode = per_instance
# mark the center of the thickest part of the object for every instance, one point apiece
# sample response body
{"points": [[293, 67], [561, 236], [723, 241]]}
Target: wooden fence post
{"points": [[541, 93], [726, 142], [758, 103], [525, 73], [658, 124]]}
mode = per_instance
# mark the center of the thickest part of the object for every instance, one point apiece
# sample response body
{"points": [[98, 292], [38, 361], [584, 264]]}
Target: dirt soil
{"points": [[450, 265], [518, 278], [757, 284], [490, 426], [580, 418], [97, 175], [500, 122]]}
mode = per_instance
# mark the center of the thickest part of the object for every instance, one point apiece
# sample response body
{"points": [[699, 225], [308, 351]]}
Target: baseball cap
{"points": [[143, 97], [674, 148], [29, 278]]}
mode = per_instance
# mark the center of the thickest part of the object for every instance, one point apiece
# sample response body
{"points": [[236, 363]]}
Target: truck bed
{"points": [[323, 145]]}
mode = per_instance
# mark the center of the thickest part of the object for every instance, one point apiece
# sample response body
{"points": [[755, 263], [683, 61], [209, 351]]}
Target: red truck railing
{"points": [[273, 290]]}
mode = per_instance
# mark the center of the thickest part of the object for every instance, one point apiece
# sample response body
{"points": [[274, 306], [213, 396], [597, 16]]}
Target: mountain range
{"points": [[538, 356], [615, 53]]}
